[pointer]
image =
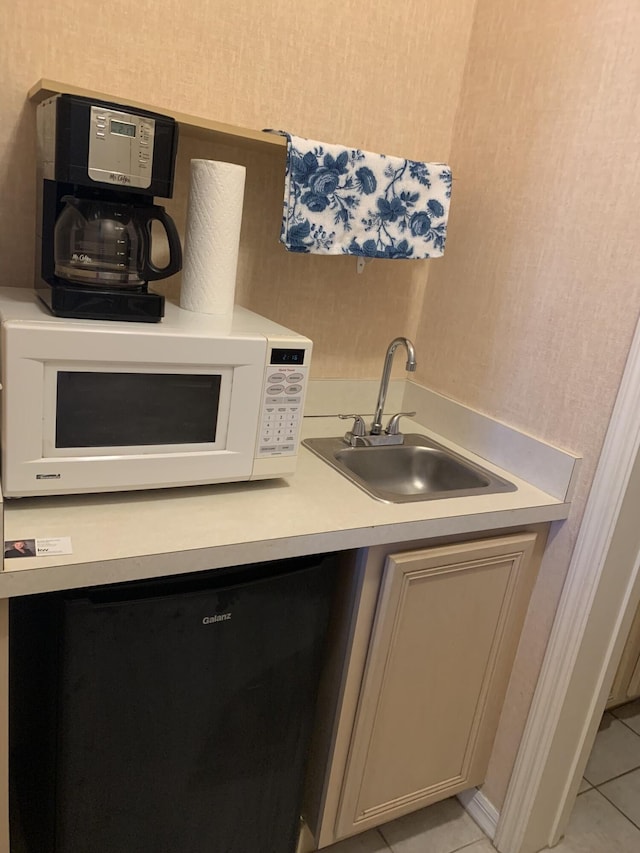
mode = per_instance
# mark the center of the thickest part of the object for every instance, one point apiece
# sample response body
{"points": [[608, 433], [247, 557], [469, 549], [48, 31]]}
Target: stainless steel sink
{"points": [[418, 470]]}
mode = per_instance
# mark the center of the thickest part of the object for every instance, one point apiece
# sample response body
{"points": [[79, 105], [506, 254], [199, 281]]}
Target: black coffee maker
{"points": [[99, 167]]}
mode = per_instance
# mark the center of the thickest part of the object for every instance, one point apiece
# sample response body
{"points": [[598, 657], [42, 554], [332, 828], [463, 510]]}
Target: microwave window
{"points": [[135, 409]]}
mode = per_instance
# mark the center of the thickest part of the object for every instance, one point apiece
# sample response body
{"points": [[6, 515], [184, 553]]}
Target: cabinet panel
{"points": [[441, 648], [634, 681], [626, 684]]}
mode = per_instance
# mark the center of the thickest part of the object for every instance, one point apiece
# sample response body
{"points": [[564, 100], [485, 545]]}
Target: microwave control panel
{"points": [[285, 381]]}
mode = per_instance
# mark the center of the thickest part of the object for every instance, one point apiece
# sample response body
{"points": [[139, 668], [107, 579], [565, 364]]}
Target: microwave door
{"points": [[123, 411], [112, 410]]}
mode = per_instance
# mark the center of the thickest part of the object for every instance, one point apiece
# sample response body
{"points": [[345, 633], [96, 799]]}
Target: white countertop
{"points": [[130, 535]]}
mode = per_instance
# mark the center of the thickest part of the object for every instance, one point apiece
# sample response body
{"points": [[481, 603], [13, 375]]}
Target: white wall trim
{"points": [[594, 707], [579, 603], [482, 810]]}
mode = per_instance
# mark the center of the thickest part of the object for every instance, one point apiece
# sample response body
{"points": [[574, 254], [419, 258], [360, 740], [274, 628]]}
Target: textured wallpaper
{"points": [[530, 316], [377, 76]]}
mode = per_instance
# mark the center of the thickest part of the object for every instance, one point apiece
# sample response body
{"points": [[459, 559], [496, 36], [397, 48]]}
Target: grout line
{"points": [[384, 840], [470, 844], [629, 727], [613, 711], [611, 778], [619, 776], [617, 808]]}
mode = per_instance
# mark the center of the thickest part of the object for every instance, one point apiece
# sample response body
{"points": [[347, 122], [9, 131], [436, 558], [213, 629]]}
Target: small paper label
{"points": [[49, 547], [37, 547]]}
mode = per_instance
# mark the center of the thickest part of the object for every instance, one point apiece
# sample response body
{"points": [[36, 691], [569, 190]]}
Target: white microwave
{"points": [[102, 406]]}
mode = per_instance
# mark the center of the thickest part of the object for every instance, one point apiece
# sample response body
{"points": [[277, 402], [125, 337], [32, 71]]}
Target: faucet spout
{"points": [[376, 426]]}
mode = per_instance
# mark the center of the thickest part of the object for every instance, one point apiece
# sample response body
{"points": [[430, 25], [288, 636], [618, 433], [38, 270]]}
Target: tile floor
{"points": [[442, 828], [606, 817]]}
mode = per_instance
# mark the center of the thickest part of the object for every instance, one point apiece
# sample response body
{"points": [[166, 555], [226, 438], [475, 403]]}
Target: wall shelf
{"points": [[193, 126]]}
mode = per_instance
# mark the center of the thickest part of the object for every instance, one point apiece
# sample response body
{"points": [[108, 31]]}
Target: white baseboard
{"points": [[482, 810]]}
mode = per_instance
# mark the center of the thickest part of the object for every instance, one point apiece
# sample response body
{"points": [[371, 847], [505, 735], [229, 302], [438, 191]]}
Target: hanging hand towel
{"points": [[343, 201]]}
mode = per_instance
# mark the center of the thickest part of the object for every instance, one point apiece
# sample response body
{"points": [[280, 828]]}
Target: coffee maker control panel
{"points": [[120, 148]]}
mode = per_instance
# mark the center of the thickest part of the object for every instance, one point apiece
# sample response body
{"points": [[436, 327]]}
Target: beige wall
{"points": [[379, 76], [530, 315]]}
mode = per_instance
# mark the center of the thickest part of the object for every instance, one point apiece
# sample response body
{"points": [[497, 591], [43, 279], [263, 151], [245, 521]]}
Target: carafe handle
{"points": [[150, 272]]}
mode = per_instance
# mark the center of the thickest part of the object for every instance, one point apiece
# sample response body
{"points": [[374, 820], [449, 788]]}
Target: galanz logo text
{"points": [[208, 620]]}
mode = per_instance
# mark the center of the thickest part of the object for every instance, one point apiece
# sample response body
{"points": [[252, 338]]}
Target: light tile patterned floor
{"points": [[442, 828], [606, 818]]}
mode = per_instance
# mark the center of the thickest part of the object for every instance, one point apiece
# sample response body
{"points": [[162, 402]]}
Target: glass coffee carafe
{"points": [[107, 244]]}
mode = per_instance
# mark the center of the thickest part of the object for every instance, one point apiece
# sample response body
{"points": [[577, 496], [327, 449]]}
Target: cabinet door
{"points": [[443, 642]]}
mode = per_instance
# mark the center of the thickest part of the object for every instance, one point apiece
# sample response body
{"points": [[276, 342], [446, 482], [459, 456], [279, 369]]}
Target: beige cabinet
{"points": [[626, 685], [433, 639], [423, 640]]}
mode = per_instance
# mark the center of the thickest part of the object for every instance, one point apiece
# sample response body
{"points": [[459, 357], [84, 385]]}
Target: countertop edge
{"points": [[52, 578]]}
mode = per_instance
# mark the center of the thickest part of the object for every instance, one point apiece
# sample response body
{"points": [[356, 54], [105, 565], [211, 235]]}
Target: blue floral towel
{"points": [[343, 201]]}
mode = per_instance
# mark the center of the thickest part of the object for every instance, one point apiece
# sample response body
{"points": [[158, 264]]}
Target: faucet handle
{"points": [[393, 427], [358, 429]]}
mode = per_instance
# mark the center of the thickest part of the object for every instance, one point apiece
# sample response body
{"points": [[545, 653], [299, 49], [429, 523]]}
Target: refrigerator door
{"points": [[184, 715]]}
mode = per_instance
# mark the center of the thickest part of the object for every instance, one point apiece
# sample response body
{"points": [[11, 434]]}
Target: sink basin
{"points": [[418, 470]]}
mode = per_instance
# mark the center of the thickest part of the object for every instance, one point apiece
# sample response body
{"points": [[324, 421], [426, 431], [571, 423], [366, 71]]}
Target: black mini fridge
{"points": [[171, 716]]}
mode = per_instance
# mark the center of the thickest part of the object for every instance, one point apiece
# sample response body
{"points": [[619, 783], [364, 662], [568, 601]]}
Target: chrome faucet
{"points": [[357, 436], [376, 426]]}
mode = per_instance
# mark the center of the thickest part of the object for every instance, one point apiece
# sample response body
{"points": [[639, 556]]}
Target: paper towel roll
{"points": [[212, 237]]}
